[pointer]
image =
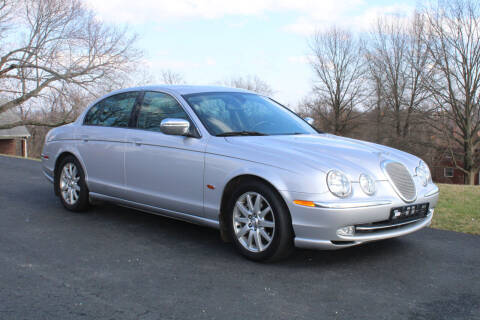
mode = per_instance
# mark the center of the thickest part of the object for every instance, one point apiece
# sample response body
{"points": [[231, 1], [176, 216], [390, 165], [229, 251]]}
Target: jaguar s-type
{"points": [[239, 162]]}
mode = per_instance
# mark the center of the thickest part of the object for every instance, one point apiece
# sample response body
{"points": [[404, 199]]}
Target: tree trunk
{"points": [[470, 177], [469, 161], [336, 128], [398, 122]]}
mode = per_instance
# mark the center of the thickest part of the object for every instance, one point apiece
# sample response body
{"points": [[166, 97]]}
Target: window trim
{"points": [[107, 97], [132, 124], [138, 107], [445, 172], [296, 114]]}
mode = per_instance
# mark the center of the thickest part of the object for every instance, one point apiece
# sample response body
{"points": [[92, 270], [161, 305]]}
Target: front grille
{"points": [[401, 180]]}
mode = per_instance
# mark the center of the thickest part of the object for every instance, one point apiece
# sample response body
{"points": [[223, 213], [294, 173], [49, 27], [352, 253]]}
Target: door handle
{"points": [[84, 137], [137, 141]]}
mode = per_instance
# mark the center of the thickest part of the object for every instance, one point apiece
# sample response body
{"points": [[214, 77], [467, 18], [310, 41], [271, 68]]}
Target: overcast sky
{"points": [[208, 41]]}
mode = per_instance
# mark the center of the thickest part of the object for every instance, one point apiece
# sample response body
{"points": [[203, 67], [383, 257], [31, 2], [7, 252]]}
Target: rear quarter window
{"points": [[114, 111]]}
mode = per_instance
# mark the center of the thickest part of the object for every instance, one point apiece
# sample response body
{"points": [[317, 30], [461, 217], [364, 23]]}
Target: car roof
{"points": [[184, 89], [172, 89]]}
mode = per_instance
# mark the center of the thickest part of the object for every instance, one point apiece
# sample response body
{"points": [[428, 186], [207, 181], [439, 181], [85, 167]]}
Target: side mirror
{"points": [[176, 127], [309, 120]]}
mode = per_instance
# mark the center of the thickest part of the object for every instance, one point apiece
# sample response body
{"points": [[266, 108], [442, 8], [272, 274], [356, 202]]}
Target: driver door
{"points": [[164, 171]]}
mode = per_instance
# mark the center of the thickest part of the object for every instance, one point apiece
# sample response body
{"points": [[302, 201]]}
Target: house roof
{"points": [[10, 116]]}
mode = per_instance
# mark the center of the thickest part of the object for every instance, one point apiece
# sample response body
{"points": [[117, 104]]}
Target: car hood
{"points": [[320, 152]]}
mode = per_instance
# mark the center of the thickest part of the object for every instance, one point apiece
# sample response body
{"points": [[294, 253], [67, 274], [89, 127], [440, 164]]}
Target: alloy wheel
{"points": [[69, 186], [253, 222]]}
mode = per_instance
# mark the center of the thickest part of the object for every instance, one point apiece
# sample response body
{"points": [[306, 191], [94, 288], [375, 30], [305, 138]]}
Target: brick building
{"points": [[444, 171], [13, 141]]}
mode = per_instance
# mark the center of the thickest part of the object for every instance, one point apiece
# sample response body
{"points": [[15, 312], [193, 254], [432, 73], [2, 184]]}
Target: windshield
{"points": [[236, 113]]}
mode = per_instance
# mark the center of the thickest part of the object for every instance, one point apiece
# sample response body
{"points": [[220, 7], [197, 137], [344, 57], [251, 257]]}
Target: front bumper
{"points": [[362, 238], [316, 227]]}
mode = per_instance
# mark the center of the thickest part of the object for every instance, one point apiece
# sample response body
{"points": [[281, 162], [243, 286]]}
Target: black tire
{"points": [[82, 203], [281, 245]]}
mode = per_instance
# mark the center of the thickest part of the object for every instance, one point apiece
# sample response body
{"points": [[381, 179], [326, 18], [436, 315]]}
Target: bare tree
{"points": [[54, 43], [172, 77], [7, 12], [339, 70], [453, 43], [252, 83], [54, 108], [398, 64], [378, 102]]}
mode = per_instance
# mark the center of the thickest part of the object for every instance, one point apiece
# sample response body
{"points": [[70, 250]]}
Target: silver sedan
{"points": [[240, 162]]}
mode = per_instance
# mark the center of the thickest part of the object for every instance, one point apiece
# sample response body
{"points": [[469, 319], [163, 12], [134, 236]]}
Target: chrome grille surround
{"points": [[400, 179]]}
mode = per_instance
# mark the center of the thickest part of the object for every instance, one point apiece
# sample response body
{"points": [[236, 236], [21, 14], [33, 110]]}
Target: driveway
{"points": [[117, 263]]}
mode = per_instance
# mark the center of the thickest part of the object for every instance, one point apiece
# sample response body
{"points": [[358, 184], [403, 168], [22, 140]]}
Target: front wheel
{"points": [[259, 222], [71, 185]]}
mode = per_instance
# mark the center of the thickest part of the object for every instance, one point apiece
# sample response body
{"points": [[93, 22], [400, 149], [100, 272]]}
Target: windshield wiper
{"points": [[240, 133]]}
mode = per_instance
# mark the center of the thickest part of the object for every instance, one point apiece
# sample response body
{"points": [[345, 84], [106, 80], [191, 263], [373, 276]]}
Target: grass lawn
{"points": [[458, 209]]}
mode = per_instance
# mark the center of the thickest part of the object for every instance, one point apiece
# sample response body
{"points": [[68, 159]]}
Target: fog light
{"points": [[346, 231]]}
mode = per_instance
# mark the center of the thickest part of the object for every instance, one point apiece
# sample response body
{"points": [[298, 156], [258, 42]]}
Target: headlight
{"points": [[338, 184], [423, 173], [367, 184]]}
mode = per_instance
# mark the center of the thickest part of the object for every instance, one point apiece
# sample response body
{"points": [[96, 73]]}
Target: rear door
{"points": [[164, 171], [102, 140]]}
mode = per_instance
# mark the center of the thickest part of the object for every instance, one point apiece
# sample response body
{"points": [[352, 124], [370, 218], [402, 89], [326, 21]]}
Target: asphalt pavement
{"points": [[117, 263]]}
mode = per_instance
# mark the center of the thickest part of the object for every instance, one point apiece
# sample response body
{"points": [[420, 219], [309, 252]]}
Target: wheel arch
{"points": [[62, 155], [227, 191]]}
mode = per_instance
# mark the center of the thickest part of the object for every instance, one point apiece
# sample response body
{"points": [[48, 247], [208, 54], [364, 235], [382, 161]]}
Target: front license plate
{"points": [[408, 212]]}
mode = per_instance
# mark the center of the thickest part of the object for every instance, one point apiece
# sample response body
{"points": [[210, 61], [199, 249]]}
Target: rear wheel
{"points": [[71, 185], [259, 222]]}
